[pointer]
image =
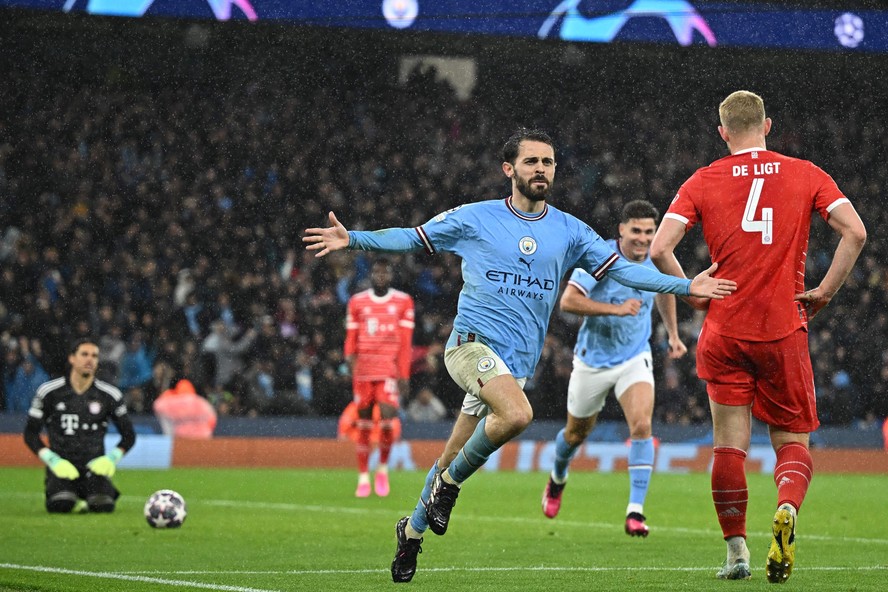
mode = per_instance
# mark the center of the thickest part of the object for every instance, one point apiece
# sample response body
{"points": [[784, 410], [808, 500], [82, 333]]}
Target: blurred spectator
{"points": [[227, 351], [135, 364], [225, 312], [193, 318], [162, 374], [265, 398], [21, 388], [304, 377], [112, 347], [426, 406], [185, 414]]}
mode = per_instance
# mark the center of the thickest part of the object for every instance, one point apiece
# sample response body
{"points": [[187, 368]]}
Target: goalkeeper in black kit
{"points": [[75, 412]]}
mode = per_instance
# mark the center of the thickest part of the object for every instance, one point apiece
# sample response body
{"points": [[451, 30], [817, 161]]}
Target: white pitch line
{"points": [[515, 519], [538, 568], [284, 506], [131, 578]]}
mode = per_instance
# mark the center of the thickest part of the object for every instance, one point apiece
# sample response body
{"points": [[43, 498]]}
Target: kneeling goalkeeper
{"points": [[75, 412]]}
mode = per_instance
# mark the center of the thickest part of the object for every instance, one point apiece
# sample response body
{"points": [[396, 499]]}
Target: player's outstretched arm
{"points": [[326, 240], [706, 286]]}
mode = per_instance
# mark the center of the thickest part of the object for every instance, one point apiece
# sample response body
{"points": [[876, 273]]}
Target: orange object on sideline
{"points": [[348, 429], [885, 432], [185, 414]]}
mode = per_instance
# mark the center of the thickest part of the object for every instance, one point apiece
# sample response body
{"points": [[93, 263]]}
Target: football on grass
{"points": [[165, 509]]}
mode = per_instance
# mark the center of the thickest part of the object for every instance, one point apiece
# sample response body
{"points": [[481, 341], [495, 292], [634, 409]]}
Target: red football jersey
{"points": [[379, 330], [756, 207]]}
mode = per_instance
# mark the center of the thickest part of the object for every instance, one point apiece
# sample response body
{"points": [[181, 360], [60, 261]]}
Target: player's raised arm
{"points": [[326, 240]]}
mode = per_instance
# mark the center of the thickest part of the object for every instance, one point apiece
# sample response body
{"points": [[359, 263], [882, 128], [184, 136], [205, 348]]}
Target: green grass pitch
{"points": [[264, 530]]}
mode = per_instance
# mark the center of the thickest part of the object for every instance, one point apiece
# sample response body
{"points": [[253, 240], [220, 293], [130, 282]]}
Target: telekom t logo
{"points": [[70, 422]]}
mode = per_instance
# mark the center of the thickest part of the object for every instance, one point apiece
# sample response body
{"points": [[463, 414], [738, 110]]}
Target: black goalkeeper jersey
{"points": [[77, 424]]}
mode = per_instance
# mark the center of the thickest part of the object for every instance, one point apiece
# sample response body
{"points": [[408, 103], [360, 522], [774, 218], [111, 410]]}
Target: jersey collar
{"points": [[384, 298], [749, 150], [523, 215]]}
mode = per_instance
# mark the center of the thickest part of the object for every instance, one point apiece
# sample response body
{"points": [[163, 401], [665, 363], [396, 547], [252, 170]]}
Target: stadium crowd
{"points": [[165, 218]]}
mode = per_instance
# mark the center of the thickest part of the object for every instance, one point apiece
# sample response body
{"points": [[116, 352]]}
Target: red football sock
{"points": [[386, 438], [362, 446], [729, 492], [792, 474]]}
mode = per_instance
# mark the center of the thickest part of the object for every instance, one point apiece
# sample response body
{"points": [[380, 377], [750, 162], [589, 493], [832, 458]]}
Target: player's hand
{"points": [[326, 240], [61, 468], [105, 465], [813, 300], [630, 307], [706, 286], [677, 348]]}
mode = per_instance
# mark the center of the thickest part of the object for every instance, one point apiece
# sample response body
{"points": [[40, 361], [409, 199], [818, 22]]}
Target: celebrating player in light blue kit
{"points": [[612, 352], [514, 253]]}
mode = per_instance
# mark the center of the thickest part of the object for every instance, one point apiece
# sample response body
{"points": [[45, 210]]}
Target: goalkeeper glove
{"points": [[61, 468], [106, 465]]}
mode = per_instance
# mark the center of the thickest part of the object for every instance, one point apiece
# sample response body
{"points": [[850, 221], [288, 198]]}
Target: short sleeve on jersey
{"points": [[827, 194], [684, 207]]}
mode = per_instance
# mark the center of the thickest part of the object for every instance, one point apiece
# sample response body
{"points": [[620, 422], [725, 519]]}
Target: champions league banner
{"points": [[677, 22]]}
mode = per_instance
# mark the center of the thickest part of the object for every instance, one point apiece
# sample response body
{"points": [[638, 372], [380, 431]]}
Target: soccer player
{"points": [[75, 412], [755, 207], [515, 252], [613, 352], [378, 347]]}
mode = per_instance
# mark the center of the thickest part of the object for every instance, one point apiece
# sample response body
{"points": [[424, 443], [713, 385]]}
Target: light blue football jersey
{"points": [[512, 265], [605, 341]]}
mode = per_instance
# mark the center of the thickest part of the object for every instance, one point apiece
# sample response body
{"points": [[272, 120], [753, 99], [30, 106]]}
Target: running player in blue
{"points": [[514, 253], [613, 352]]}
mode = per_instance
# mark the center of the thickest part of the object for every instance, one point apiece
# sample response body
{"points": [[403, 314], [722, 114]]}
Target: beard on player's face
{"points": [[530, 189]]}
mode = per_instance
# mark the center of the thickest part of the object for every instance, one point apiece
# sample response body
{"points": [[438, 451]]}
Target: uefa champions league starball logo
{"points": [[849, 30], [681, 16], [400, 13], [136, 8]]}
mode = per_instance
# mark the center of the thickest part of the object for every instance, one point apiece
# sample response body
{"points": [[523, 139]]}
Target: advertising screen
{"points": [[681, 22]]}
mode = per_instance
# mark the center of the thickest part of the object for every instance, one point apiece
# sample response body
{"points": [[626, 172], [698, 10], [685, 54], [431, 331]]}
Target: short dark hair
{"points": [[513, 144], [637, 209], [382, 261], [83, 340]]}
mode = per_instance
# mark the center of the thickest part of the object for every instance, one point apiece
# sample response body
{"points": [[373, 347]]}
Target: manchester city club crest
{"points": [[485, 364], [527, 245]]}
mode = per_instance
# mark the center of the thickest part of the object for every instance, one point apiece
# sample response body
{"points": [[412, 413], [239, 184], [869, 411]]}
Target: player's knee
{"points": [[60, 504], [640, 429], [519, 418], [100, 503]]}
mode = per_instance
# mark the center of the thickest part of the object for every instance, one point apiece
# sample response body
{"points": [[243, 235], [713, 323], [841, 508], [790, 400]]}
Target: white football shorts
{"points": [[472, 365], [589, 386]]}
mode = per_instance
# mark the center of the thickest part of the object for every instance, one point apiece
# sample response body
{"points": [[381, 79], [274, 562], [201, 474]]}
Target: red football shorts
{"points": [[774, 376], [368, 392]]}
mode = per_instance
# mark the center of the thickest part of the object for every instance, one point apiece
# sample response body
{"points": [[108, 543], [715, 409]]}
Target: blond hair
{"points": [[742, 111]]}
